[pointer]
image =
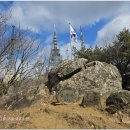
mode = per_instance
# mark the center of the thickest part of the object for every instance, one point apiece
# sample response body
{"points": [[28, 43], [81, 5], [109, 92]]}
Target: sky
{"points": [[100, 20]]}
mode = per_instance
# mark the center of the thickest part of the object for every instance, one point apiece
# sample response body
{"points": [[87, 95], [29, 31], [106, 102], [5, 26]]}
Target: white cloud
{"points": [[49, 39], [108, 32], [39, 16]]}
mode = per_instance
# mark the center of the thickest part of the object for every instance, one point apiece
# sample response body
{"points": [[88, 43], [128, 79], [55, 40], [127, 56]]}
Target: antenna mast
{"points": [[55, 57]]}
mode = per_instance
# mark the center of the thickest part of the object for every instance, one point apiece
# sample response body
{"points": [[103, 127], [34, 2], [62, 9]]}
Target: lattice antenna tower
{"points": [[67, 53], [55, 57], [81, 38]]}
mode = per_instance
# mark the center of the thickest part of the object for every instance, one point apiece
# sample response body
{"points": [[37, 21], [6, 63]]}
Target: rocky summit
{"points": [[82, 76], [71, 80], [65, 70], [92, 91], [79, 74]]}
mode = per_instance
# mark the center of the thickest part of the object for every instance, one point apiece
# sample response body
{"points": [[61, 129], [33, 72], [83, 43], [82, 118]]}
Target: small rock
{"points": [[47, 110], [91, 98]]}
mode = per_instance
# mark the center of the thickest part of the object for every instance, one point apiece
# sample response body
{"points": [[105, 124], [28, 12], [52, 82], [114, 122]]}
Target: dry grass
{"points": [[42, 115]]}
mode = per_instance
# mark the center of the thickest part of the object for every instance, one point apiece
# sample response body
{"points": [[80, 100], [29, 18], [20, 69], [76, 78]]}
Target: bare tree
{"points": [[23, 56], [4, 43], [18, 52]]}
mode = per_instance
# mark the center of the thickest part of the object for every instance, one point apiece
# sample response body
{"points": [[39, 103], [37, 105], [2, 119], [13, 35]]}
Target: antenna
{"points": [[54, 27], [55, 39], [70, 43], [81, 30], [55, 57], [81, 38], [67, 53]]}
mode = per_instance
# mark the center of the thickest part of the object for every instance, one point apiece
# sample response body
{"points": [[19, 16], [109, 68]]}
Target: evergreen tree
{"points": [[117, 54]]}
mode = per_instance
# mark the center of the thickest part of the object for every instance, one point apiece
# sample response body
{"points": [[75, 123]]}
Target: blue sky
{"points": [[5, 5], [99, 20]]}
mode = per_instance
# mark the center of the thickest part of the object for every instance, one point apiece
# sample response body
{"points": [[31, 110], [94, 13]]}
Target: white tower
{"points": [[55, 57]]}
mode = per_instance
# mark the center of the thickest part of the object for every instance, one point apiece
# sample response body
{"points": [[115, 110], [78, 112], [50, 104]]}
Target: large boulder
{"points": [[65, 70], [98, 76], [81, 76]]}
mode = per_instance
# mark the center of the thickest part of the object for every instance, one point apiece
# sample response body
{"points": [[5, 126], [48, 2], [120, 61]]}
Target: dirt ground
{"points": [[42, 115]]}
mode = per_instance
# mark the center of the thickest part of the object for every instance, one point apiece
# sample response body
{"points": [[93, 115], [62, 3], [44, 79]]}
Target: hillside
{"points": [[95, 100], [42, 115]]}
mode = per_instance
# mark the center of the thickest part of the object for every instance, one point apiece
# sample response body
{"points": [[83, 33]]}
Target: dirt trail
{"points": [[60, 116]]}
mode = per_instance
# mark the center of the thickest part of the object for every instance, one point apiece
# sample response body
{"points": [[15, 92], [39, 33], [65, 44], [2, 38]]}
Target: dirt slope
{"points": [[43, 115]]}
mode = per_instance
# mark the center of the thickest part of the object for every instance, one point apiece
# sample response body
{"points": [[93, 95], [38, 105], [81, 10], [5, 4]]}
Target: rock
{"points": [[98, 76], [103, 99], [44, 94], [67, 95], [118, 101], [126, 119], [120, 117], [23, 97], [91, 98], [81, 76], [47, 110], [64, 71], [111, 109]]}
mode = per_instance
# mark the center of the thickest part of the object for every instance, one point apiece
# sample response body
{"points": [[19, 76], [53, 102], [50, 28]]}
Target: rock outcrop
{"points": [[98, 76], [118, 101], [82, 76], [72, 81], [64, 71]]}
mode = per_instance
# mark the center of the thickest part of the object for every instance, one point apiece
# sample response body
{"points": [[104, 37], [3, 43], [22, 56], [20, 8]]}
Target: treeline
{"points": [[116, 53]]}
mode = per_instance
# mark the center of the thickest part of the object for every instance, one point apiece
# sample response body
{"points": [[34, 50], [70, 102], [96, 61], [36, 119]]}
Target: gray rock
{"points": [[91, 98], [67, 95], [82, 76], [118, 100], [64, 71], [98, 76]]}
